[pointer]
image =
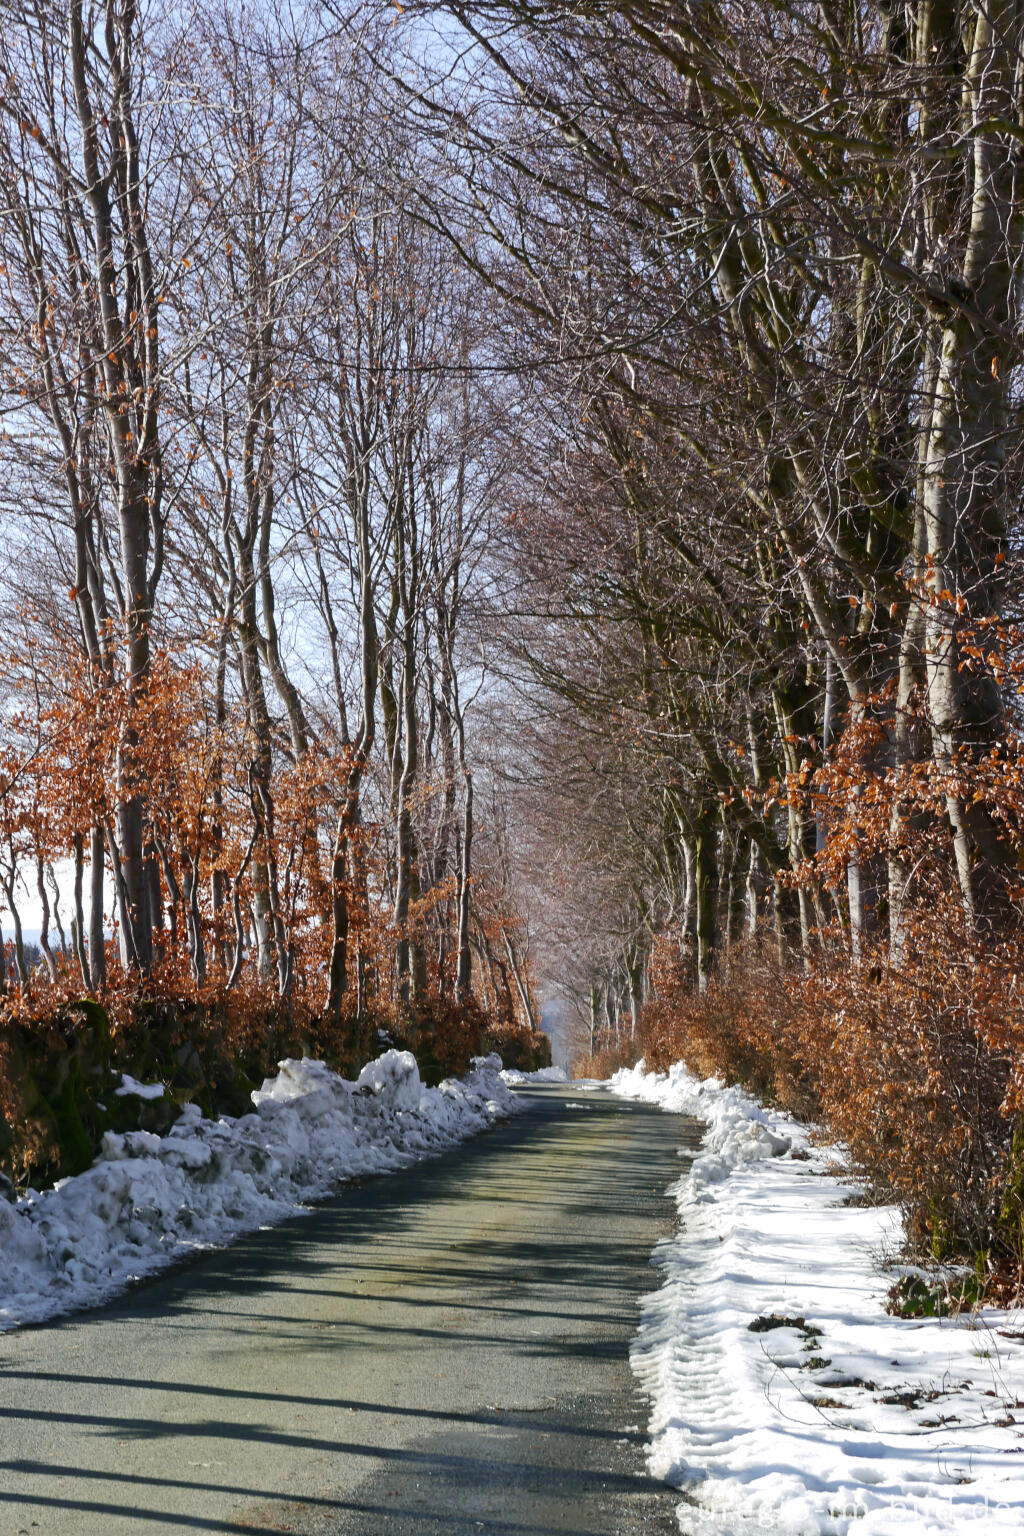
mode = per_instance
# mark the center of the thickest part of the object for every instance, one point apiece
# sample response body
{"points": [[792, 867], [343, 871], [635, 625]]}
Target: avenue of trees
{"points": [[470, 459], [248, 482], [765, 262]]}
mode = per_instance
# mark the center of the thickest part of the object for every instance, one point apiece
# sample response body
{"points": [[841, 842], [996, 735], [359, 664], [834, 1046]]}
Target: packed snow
{"points": [[542, 1075], [786, 1402], [150, 1199], [131, 1086]]}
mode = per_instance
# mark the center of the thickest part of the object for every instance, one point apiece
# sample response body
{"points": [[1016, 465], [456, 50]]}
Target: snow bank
{"points": [[150, 1199], [828, 1417], [542, 1075], [130, 1085]]}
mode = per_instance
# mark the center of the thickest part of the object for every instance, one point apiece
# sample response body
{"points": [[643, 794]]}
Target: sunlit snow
{"points": [[830, 1418], [148, 1199]]}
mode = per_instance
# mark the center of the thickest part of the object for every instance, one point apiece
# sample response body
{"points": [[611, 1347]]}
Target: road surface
{"points": [[438, 1351]]}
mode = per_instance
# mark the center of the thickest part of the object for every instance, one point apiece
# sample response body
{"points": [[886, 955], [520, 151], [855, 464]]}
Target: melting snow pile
{"points": [[149, 1199], [786, 1401]]}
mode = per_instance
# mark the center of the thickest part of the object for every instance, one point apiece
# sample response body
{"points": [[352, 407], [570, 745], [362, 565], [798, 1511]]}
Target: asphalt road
{"points": [[441, 1351]]}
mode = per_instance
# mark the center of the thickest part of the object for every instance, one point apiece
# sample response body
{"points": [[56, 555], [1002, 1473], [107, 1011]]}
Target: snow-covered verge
{"points": [[542, 1075], [785, 1400], [148, 1200]]}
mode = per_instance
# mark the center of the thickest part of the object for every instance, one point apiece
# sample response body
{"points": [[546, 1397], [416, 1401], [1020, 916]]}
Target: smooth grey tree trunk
{"points": [[97, 944], [78, 920]]}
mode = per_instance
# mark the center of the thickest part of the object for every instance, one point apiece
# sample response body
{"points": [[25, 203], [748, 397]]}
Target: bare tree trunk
{"points": [[521, 979], [779, 922], [174, 891], [855, 901], [126, 928], [464, 955], [755, 888], [705, 862], [345, 857], [340, 899], [78, 920], [965, 491], [20, 964], [196, 947], [97, 943], [264, 871], [44, 925], [219, 883], [130, 371], [635, 965], [911, 742], [405, 833], [734, 890], [595, 1014]]}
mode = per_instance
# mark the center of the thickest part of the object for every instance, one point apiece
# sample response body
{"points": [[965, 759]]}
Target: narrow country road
{"points": [[440, 1351]]}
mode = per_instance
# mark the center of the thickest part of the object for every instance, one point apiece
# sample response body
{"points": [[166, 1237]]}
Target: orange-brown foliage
{"points": [[916, 1070], [207, 1036]]}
